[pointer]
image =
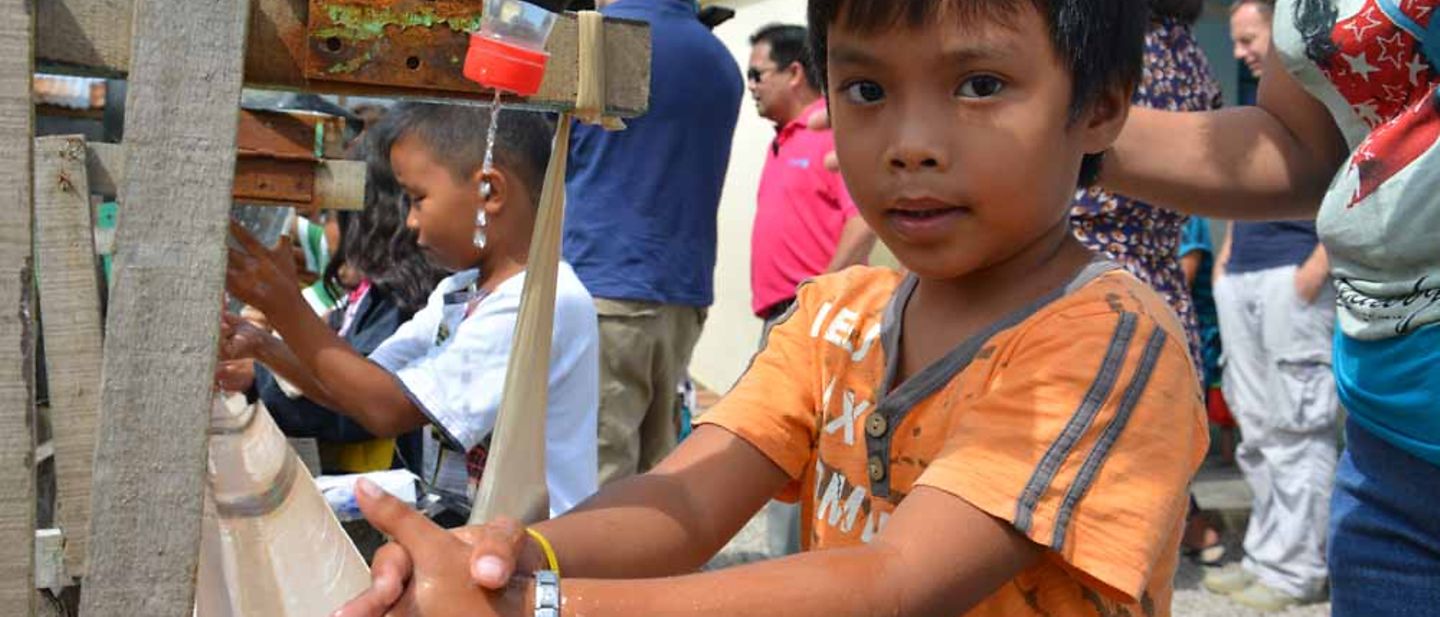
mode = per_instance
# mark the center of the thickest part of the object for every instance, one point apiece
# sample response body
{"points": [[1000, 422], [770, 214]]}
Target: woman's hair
{"points": [[375, 241], [1315, 19], [1183, 11]]}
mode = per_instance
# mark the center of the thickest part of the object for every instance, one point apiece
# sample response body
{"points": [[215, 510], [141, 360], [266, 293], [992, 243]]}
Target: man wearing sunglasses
{"points": [[805, 222]]}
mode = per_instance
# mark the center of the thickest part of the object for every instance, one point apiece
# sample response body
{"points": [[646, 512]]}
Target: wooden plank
{"points": [[164, 310], [104, 167], [69, 32], [290, 134], [90, 36], [17, 345], [261, 179], [70, 303], [338, 185]]}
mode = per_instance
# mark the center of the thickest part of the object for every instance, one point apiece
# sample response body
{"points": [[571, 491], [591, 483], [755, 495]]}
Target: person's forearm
{"points": [[853, 249], [1319, 260], [640, 527], [276, 356], [670, 520], [355, 387], [850, 581], [1239, 163], [1190, 265], [876, 579]]}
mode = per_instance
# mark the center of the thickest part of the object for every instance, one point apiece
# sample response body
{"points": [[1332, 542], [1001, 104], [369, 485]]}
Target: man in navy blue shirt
{"points": [[640, 229]]}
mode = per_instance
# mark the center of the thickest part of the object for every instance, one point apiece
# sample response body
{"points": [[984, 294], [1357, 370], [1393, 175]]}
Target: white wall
{"points": [[732, 333]]}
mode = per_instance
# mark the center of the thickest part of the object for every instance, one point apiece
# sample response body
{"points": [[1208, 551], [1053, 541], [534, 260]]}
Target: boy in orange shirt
{"points": [[1009, 430]]}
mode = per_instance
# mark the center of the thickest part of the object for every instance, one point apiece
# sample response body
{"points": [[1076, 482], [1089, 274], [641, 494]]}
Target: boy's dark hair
{"points": [[1102, 42], [788, 45], [455, 135], [376, 241]]}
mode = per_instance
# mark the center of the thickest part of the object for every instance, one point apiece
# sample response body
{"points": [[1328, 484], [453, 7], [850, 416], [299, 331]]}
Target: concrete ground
{"points": [[1218, 489]]}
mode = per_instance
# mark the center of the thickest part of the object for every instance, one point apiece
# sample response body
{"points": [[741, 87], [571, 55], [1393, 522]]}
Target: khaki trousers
{"points": [[645, 350]]}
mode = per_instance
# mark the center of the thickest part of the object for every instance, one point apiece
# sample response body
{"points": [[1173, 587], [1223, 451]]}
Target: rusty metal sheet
{"points": [[407, 43], [290, 135], [259, 179]]}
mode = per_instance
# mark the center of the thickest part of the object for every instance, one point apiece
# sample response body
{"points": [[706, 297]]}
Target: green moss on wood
{"points": [[364, 23]]}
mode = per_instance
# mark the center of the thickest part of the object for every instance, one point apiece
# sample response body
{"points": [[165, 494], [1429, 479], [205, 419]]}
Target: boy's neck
{"points": [[980, 297], [500, 266]]}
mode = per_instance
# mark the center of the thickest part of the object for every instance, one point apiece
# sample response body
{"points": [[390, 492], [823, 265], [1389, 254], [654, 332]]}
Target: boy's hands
{"points": [[426, 570], [241, 342], [235, 375], [240, 339], [260, 276]]}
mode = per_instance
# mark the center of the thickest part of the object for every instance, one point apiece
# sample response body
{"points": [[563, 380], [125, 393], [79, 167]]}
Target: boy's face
{"points": [[955, 138], [442, 208]]}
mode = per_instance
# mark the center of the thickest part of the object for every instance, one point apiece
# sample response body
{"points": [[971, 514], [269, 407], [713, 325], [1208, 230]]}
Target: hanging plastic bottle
{"points": [[508, 52]]}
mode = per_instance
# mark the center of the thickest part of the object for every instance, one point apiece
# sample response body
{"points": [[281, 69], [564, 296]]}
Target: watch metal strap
{"points": [[547, 594]]}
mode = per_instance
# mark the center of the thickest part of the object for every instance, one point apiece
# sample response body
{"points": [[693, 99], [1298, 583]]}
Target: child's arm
{"points": [[937, 556], [1190, 263], [243, 340], [1273, 161], [1223, 260], [343, 380]]}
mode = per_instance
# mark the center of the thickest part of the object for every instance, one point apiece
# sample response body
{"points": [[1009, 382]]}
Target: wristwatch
{"points": [[547, 594]]}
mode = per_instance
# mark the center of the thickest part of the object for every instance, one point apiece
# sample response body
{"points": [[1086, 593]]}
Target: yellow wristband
{"points": [[545, 547]]}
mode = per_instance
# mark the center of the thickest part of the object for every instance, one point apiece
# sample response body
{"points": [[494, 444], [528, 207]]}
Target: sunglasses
{"points": [[754, 75]]}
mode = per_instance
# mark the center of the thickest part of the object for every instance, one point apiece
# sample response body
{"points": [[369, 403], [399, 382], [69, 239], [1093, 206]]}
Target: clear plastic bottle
{"points": [[270, 544], [508, 52]]}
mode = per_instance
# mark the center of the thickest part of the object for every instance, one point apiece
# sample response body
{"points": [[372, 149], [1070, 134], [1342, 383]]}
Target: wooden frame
{"points": [[17, 367], [93, 36], [177, 174]]}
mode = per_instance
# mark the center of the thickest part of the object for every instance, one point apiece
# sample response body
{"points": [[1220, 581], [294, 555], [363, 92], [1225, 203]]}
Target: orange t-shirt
{"points": [[1077, 420]]}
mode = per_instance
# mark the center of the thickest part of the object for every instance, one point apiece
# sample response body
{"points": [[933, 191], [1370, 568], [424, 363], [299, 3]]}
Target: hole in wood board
{"points": [[412, 63], [333, 43]]}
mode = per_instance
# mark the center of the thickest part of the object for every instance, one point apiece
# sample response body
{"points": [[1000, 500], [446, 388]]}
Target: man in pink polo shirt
{"points": [[805, 223]]}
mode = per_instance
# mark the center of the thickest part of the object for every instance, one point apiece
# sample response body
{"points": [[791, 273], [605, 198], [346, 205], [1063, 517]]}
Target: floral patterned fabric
{"points": [[1141, 237]]}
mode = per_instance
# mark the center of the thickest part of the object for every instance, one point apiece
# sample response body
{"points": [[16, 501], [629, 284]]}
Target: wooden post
{"points": [[17, 345], [164, 310], [70, 303]]}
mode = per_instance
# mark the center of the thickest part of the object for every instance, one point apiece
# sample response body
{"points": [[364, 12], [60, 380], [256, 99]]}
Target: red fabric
{"points": [[799, 214], [1217, 409], [1380, 72]]}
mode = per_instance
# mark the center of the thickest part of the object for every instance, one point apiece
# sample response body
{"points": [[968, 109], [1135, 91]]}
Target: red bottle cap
{"points": [[496, 64]]}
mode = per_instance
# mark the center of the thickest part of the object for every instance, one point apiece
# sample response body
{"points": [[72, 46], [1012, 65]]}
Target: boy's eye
{"points": [[980, 86], [864, 92]]}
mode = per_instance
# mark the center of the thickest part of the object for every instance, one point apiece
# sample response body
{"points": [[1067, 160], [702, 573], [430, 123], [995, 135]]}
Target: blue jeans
{"points": [[1385, 531]]}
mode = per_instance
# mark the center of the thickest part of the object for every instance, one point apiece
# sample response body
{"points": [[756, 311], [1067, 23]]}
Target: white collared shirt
{"points": [[453, 367]]}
